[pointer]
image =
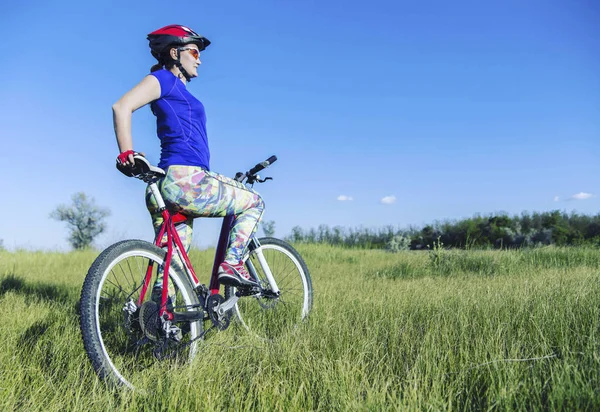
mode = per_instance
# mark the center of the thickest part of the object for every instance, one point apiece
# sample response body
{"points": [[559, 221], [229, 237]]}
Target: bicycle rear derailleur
{"points": [[154, 327]]}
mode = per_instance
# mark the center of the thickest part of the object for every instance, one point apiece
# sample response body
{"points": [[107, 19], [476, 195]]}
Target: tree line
{"points": [[85, 221], [492, 231]]}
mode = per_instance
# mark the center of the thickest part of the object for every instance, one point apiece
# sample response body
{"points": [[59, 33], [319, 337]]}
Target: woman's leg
{"points": [[199, 193]]}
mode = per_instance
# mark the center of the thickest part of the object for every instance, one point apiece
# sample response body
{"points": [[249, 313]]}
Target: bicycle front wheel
{"points": [[121, 337], [269, 315]]}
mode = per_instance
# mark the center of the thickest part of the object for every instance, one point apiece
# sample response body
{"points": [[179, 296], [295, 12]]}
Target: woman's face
{"points": [[189, 57]]}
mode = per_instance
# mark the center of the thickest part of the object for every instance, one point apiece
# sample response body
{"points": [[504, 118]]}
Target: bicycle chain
{"points": [[219, 324], [216, 324], [179, 347]]}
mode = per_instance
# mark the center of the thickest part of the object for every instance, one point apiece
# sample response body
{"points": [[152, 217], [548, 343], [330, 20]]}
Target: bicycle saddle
{"points": [[142, 169]]}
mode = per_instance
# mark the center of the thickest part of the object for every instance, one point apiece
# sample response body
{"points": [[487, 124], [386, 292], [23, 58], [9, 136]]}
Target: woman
{"points": [[189, 186]]}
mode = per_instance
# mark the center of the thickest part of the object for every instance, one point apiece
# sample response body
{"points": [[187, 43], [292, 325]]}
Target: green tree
{"points": [[268, 228], [84, 220], [297, 234]]}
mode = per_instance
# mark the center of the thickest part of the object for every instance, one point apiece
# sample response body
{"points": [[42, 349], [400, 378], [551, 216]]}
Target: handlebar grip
{"points": [[262, 165], [141, 166]]}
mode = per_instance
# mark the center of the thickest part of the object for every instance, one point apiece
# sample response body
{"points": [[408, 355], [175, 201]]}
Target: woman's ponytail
{"points": [[156, 67], [164, 61]]}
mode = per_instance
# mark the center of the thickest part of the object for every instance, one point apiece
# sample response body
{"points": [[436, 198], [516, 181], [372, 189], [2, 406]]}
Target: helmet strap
{"points": [[181, 69]]}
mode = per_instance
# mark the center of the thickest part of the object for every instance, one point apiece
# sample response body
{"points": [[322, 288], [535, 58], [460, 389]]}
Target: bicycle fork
{"points": [[253, 246]]}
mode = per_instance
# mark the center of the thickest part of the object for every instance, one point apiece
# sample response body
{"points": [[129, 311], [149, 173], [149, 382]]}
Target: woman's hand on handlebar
{"points": [[126, 158]]}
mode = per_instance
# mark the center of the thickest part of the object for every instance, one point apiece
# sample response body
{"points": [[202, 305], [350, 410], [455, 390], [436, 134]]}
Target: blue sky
{"points": [[415, 110]]}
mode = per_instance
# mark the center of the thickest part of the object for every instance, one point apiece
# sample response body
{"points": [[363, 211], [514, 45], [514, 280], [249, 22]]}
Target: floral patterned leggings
{"points": [[196, 192]]}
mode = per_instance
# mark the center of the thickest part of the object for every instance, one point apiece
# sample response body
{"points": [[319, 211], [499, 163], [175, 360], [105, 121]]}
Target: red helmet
{"points": [[174, 35]]}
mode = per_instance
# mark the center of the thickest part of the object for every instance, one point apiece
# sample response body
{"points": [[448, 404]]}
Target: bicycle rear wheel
{"points": [[267, 315], [115, 339]]}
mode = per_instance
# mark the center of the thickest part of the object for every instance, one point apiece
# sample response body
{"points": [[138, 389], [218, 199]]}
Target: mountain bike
{"points": [[129, 325]]}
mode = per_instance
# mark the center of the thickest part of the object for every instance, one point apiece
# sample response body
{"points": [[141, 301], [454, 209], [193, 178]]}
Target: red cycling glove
{"points": [[124, 156]]}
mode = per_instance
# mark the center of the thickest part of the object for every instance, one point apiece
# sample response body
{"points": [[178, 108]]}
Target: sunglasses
{"points": [[193, 52]]}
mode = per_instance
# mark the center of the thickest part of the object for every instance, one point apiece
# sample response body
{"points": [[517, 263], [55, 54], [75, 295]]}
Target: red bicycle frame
{"points": [[168, 227], [146, 172]]}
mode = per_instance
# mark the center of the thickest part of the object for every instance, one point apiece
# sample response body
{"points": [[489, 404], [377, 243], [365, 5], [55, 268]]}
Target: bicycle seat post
{"points": [[159, 199]]}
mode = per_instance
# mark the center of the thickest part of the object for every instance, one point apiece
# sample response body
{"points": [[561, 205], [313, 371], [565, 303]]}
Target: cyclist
{"points": [[189, 187]]}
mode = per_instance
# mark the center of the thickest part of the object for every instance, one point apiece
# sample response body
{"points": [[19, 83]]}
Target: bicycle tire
{"points": [[108, 331], [272, 317]]}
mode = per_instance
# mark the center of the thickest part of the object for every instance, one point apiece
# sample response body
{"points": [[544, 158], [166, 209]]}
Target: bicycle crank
{"points": [[217, 312]]}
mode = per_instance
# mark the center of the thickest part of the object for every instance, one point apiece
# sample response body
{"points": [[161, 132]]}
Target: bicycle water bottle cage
{"points": [[142, 169]]}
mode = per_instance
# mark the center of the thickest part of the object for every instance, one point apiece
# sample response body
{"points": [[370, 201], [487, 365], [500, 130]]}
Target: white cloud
{"points": [[388, 200], [581, 196], [556, 198], [344, 198]]}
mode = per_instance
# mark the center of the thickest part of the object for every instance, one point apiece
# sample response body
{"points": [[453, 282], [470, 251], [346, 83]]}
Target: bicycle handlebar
{"points": [[143, 170], [262, 165]]}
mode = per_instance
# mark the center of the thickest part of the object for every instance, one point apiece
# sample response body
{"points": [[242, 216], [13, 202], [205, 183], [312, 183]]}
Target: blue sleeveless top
{"points": [[180, 124]]}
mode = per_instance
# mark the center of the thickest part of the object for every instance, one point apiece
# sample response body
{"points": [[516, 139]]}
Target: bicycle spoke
{"points": [[269, 316], [119, 338]]}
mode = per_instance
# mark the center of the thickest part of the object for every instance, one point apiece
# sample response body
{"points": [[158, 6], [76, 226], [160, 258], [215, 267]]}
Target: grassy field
{"points": [[440, 330]]}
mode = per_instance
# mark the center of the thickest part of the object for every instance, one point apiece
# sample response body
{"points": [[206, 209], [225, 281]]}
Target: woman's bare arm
{"points": [[143, 93]]}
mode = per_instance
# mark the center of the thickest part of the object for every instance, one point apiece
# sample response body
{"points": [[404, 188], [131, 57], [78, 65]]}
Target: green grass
{"points": [[446, 330]]}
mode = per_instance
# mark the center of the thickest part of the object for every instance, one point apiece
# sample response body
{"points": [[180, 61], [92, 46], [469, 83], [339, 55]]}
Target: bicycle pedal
{"points": [[249, 291]]}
